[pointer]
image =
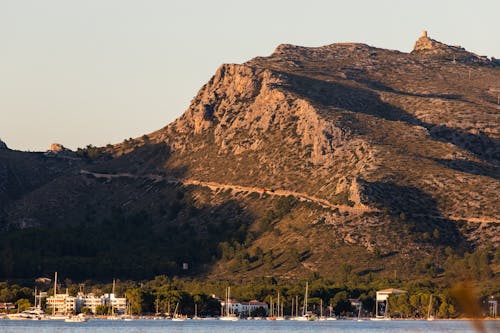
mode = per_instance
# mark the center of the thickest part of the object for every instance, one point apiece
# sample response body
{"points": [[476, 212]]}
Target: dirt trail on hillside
{"points": [[214, 186]]}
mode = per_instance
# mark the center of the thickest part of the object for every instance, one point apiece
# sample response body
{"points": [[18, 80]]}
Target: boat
{"points": [[271, 310], [228, 316], [330, 308], [359, 311], [321, 317], [177, 316], [56, 316], [127, 316], [80, 318], [30, 314], [280, 315], [195, 317], [430, 317], [306, 316]]}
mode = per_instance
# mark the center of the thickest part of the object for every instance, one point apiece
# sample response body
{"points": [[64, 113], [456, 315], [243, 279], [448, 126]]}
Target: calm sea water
{"points": [[191, 326]]}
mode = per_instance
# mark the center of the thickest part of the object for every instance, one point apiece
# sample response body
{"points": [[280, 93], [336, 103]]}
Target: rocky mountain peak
{"points": [[57, 148], [426, 43], [427, 46]]}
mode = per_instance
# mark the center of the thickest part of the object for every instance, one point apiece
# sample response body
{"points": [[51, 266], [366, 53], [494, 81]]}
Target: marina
{"points": [[242, 326]]}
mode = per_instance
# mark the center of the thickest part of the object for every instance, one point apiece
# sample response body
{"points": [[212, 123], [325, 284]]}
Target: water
{"points": [[242, 326]]}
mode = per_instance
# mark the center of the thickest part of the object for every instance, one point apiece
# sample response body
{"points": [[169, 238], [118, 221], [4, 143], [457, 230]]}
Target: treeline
{"points": [[163, 294]]}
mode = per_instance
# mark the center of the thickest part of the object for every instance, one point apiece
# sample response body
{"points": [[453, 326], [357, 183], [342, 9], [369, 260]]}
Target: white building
{"points": [[244, 308], [63, 304], [382, 303], [119, 304], [88, 301]]}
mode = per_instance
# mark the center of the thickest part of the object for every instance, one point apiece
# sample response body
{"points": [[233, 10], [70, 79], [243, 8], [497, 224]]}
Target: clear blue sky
{"points": [[99, 71]]}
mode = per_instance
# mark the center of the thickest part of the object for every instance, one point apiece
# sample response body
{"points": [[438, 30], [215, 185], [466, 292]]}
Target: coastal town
{"points": [[61, 304]]}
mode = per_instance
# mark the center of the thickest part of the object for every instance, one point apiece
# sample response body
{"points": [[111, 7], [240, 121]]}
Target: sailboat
{"points": [[321, 311], [305, 315], [271, 310], [227, 315], [330, 308], [177, 316], [196, 312], [112, 316], [359, 311], [128, 313], [54, 315], [430, 317], [280, 315]]}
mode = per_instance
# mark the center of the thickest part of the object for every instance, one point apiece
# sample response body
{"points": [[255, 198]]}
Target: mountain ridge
{"points": [[344, 153]]}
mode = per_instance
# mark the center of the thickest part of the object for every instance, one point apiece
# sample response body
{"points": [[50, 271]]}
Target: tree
{"points": [[102, 310], [85, 310], [259, 312], [23, 304], [341, 303], [136, 299]]}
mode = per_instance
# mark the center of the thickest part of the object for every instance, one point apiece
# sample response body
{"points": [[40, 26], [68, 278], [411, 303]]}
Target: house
{"points": [[6, 307]]}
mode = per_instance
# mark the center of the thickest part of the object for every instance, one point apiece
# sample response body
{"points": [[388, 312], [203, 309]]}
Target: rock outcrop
{"points": [[426, 43], [427, 46], [57, 148], [3, 145]]}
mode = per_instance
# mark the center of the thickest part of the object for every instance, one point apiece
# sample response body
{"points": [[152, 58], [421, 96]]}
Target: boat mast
{"points": [[430, 306], [305, 298], [227, 303], [111, 301], [278, 307], [55, 291]]}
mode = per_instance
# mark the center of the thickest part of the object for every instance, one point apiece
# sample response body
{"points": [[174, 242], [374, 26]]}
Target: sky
{"points": [[100, 71]]}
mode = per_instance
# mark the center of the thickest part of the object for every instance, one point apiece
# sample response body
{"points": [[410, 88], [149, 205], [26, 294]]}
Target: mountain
{"points": [[322, 160]]}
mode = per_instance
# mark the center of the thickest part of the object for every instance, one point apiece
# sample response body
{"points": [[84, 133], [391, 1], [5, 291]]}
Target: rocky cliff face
{"points": [[322, 156]]}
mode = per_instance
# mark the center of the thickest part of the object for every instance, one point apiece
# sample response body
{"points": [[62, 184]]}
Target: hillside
{"points": [[311, 160]]}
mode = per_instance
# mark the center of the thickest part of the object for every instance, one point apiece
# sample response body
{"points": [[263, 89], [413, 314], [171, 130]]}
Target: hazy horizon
{"points": [[100, 71]]}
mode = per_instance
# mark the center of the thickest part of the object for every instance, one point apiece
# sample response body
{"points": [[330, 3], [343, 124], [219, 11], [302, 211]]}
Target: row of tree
{"points": [[162, 294]]}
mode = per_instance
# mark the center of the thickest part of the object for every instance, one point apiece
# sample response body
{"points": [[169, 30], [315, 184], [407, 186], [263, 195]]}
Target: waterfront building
{"points": [[382, 305], [61, 303], [119, 304], [89, 301], [244, 307], [6, 307]]}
